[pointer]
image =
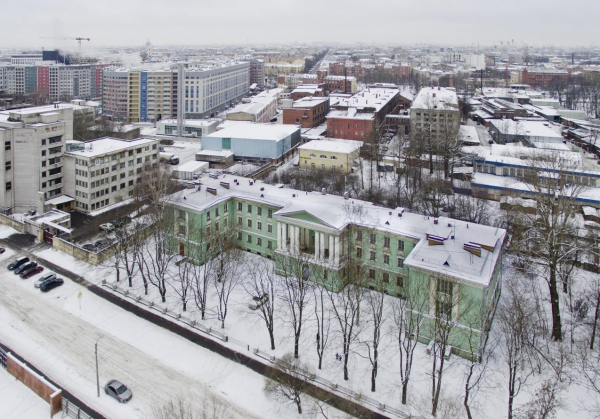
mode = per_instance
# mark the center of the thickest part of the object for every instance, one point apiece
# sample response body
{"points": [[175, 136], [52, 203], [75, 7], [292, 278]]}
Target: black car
{"points": [[18, 262], [24, 267], [51, 284], [2, 250]]}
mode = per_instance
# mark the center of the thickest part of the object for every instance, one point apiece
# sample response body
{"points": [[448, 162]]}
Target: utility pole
{"points": [[97, 375]]}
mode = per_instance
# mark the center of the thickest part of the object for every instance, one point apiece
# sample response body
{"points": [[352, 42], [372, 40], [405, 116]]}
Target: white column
{"points": [[292, 237], [317, 245], [297, 238], [336, 253], [321, 246], [279, 235], [331, 247]]}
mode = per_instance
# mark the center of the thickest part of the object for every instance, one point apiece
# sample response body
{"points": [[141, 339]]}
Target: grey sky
{"points": [[131, 22]]}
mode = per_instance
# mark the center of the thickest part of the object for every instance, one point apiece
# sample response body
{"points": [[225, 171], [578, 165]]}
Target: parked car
{"points": [[118, 390], [107, 227], [18, 262], [90, 246], [120, 222], [25, 266], [44, 278], [27, 273], [51, 284], [2, 250]]}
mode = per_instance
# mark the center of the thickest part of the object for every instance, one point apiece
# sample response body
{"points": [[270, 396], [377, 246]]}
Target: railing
{"points": [[72, 410], [2, 358], [309, 376]]}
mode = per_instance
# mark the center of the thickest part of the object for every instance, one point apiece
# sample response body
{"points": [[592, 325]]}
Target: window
{"points": [[385, 278], [249, 211], [269, 244], [249, 222], [239, 221], [359, 252], [239, 235], [333, 158], [208, 216], [323, 156], [359, 235], [401, 245], [386, 259], [372, 255], [181, 230], [6, 145], [259, 225], [122, 186], [239, 206], [217, 212], [259, 210], [259, 241], [401, 262], [371, 273], [225, 208], [8, 186], [373, 238], [269, 228], [8, 165], [249, 238], [444, 300], [270, 213], [386, 242], [43, 141], [400, 281]]}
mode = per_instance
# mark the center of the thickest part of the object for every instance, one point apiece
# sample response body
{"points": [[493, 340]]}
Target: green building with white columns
{"points": [[454, 266]]}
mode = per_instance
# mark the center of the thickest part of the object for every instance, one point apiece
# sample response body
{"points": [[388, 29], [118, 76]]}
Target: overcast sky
{"points": [[202, 22]]}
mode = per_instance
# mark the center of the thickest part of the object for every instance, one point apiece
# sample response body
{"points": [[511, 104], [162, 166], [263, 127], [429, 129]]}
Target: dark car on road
{"points": [[24, 267], [118, 390], [2, 250], [27, 273], [18, 262], [51, 284]]}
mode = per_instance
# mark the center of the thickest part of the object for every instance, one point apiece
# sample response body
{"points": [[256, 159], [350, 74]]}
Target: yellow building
{"points": [[331, 155], [133, 97]]}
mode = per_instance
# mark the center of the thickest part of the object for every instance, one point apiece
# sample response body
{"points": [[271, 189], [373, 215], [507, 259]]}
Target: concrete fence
{"points": [[11, 222], [93, 258], [38, 384]]}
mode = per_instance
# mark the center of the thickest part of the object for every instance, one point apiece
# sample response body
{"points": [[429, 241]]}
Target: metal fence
{"points": [[2, 358], [71, 410], [346, 392]]}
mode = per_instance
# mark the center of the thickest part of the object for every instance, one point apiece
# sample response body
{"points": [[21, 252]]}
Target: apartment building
{"points": [[26, 59], [257, 72], [139, 95], [455, 264], [104, 172], [32, 157], [434, 114]]}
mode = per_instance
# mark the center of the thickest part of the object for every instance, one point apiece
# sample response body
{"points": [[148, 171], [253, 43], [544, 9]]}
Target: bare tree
{"points": [[295, 292], [408, 315], [210, 407], [288, 381], [323, 318], [346, 307], [261, 287], [378, 313]]}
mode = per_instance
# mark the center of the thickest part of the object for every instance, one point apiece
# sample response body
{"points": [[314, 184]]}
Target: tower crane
{"points": [[78, 39]]}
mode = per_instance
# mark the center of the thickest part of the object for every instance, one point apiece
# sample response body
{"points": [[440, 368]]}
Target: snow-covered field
{"points": [[57, 331]]}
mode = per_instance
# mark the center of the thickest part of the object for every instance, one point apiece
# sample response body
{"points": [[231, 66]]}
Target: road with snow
{"points": [[58, 337]]}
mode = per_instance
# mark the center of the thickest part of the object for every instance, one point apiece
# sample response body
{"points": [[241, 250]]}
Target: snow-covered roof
{"points": [[372, 97], [336, 213], [189, 122], [430, 97], [107, 145], [468, 134], [342, 146], [524, 128], [192, 166], [256, 131]]}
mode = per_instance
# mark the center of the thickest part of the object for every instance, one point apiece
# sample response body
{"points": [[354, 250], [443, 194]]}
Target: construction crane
{"points": [[78, 39]]}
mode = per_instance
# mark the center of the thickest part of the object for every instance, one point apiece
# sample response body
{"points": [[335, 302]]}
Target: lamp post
{"points": [[97, 376]]}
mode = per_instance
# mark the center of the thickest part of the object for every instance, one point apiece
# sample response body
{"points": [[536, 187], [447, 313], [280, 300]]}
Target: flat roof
{"points": [[108, 145], [443, 98], [255, 131], [342, 146]]}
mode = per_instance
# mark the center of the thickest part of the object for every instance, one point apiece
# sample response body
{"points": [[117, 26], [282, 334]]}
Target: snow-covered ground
{"points": [[19, 402], [57, 331]]}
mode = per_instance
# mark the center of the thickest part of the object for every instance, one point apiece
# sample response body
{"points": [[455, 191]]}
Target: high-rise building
{"points": [[139, 95]]}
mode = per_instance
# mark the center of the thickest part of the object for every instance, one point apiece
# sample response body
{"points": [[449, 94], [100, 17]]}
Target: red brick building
{"points": [[308, 112], [543, 77]]}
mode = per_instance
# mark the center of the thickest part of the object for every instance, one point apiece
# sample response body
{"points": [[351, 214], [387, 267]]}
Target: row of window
{"points": [[258, 210], [259, 240], [323, 156], [373, 240], [373, 256]]}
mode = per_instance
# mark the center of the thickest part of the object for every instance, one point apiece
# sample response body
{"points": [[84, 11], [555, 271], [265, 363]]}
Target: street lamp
{"points": [[97, 376]]}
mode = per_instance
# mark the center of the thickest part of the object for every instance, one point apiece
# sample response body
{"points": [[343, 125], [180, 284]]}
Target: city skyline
{"points": [[131, 23]]}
